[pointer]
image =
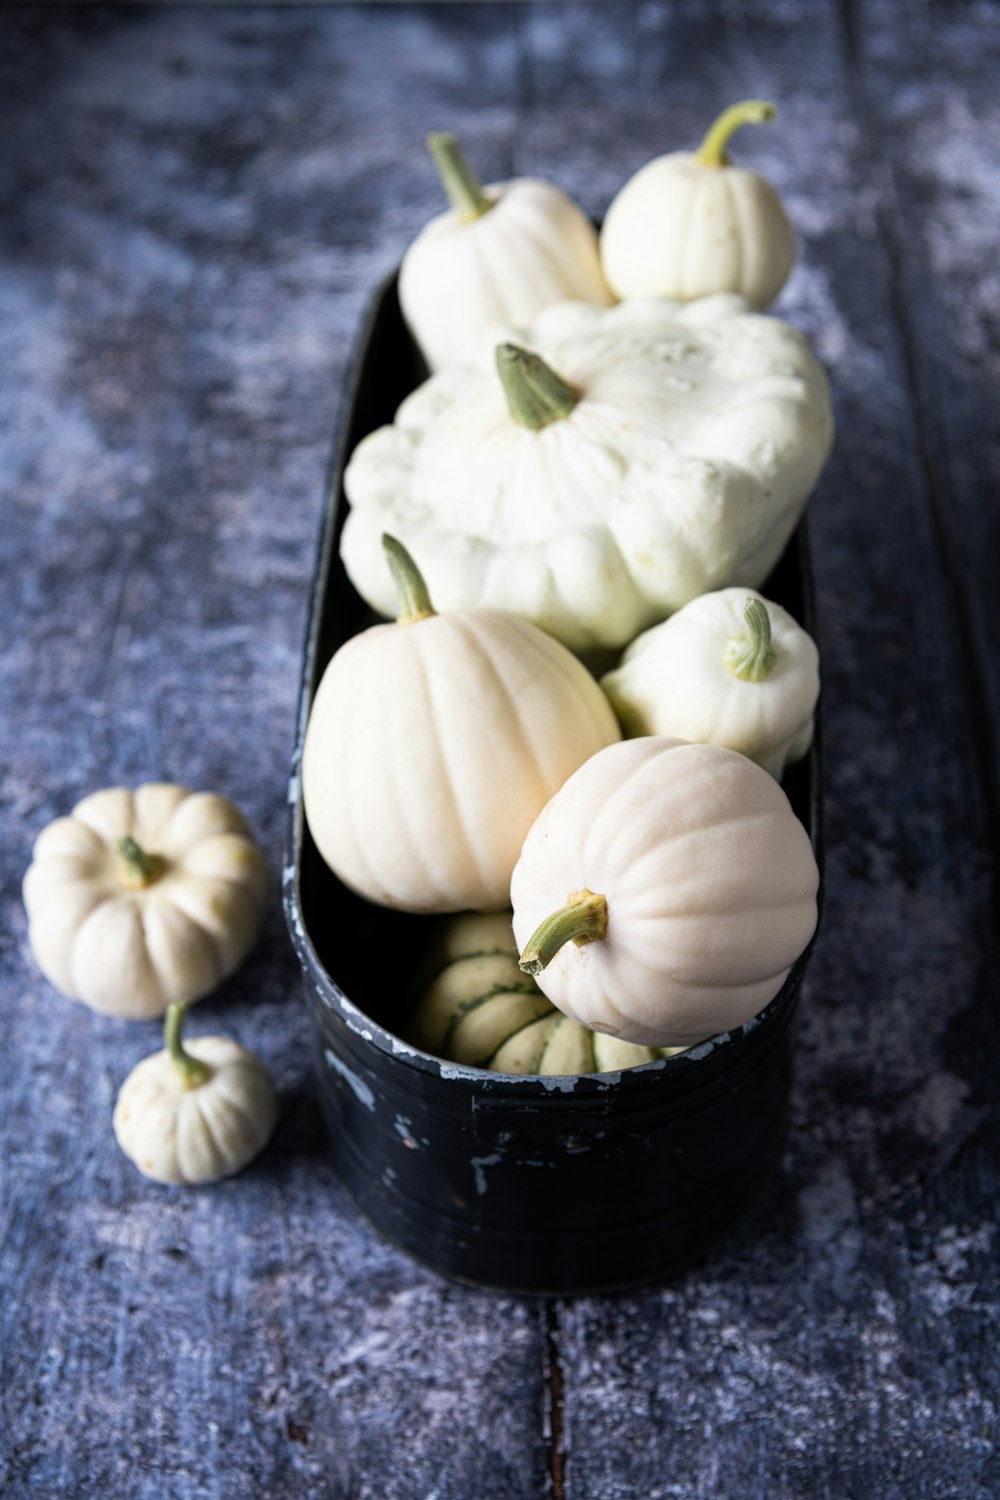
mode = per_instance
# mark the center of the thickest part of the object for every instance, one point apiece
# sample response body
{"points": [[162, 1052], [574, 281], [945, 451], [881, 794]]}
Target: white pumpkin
{"points": [[639, 456], [197, 1113], [728, 669], [689, 224], [481, 1010], [433, 744], [665, 892], [142, 897], [500, 254]]}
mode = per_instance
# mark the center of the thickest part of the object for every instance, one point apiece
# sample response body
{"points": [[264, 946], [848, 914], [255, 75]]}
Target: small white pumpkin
{"points": [[433, 744], [500, 254], [728, 669], [630, 459], [142, 897], [197, 1113], [687, 225], [665, 892], [481, 1010]]}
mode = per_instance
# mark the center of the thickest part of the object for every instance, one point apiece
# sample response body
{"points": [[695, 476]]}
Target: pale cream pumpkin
{"points": [[728, 669], [432, 745], [143, 897], [500, 254], [690, 224], [664, 893], [598, 475], [197, 1113]]}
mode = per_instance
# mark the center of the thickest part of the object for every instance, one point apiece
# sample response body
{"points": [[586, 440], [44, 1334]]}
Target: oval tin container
{"points": [[539, 1185]]}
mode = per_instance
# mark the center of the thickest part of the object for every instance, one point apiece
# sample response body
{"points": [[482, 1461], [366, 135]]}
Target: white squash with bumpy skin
{"points": [[197, 1113], [633, 458], [690, 224], [665, 892], [728, 669], [433, 744], [142, 897], [500, 254]]}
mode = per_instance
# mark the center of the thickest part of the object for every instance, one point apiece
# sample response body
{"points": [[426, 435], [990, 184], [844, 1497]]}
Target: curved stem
{"points": [[584, 919], [751, 657], [411, 590], [192, 1071], [136, 868], [712, 151], [536, 395], [465, 192]]}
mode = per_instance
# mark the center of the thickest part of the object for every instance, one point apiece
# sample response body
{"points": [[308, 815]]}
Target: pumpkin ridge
{"points": [[397, 741], [468, 625], [466, 1007], [565, 670]]}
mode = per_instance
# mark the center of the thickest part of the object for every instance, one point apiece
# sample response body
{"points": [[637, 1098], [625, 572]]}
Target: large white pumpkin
{"points": [[683, 889], [434, 743]]}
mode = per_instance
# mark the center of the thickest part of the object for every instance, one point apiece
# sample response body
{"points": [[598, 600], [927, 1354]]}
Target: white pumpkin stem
{"points": [[192, 1071], [411, 590], [465, 191], [536, 395], [712, 151], [584, 919], [136, 868], [751, 656]]}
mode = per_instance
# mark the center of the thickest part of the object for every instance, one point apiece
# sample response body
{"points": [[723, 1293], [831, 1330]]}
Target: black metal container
{"points": [[555, 1185]]}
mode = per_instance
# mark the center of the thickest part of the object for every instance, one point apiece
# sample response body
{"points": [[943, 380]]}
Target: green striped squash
{"points": [[479, 1009]]}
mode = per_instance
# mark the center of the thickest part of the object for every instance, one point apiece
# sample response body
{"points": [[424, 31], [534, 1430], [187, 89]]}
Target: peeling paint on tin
{"points": [[479, 1164], [356, 1084]]}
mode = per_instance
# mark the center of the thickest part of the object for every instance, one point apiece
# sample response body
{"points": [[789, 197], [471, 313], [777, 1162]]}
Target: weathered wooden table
{"points": [[197, 203]]}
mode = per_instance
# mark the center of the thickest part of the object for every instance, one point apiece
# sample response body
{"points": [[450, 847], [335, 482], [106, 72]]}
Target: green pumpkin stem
{"points": [[536, 395], [411, 590], [465, 191], [136, 868], [751, 656], [584, 919], [191, 1070], [712, 151]]}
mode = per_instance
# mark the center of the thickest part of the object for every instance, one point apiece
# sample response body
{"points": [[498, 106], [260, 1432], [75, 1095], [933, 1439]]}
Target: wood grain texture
{"points": [[194, 207]]}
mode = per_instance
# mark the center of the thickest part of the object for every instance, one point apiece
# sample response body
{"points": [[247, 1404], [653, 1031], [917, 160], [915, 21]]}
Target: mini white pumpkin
{"points": [[142, 897], [500, 254], [687, 225], [665, 892], [632, 458], [433, 744], [481, 1010], [197, 1113], [728, 669]]}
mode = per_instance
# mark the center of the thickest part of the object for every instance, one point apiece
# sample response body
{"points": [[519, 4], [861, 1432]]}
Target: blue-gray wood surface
{"points": [[196, 204]]}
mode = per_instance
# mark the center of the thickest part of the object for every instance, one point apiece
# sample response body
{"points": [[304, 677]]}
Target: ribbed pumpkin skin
{"points": [[457, 280], [681, 229], [479, 1009], [710, 882], [431, 748]]}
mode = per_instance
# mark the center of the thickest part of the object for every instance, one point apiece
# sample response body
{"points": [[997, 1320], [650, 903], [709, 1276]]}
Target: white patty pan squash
{"points": [[665, 892], [197, 1113], [728, 669], [500, 254], [635, 457], [433, 744], [481, 1010], [690, 224], [143, 897]]}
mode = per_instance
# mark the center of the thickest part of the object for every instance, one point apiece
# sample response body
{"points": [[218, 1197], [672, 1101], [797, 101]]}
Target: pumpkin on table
{"points": [[142, 897]]}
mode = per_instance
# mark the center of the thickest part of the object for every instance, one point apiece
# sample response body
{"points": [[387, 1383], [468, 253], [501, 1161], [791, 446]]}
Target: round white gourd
{"points": [[500, 254], [143, 897], [689, 224], [633, 458], [433, 744], [676, 888], [197, 1113], [728, 669]]}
